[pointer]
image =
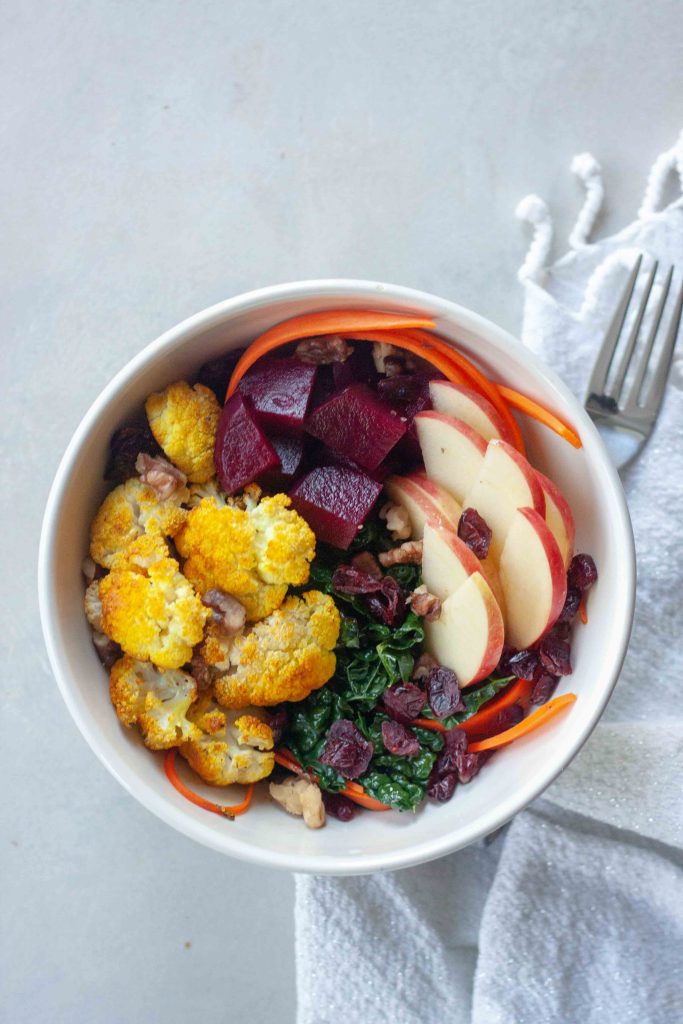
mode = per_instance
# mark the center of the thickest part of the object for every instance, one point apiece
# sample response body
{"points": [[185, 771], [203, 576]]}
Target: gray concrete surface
{"points": [[158, 157]]}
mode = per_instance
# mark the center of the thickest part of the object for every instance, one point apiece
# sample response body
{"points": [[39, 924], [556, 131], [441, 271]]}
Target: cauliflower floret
{"points": [[285, 657], [157, 702], [253, 554], [129, 511], [184, 420], [232, 747], [285, 543], [148, 607]]}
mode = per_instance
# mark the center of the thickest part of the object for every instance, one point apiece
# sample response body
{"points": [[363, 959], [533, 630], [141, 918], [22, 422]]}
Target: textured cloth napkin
{"points": [[576, 913]]}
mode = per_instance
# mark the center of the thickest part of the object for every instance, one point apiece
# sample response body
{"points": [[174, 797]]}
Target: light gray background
{"points": [[159, 157]]}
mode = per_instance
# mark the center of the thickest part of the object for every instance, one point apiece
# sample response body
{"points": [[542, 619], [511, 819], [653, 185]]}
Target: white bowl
{"points": [[372, 842]]}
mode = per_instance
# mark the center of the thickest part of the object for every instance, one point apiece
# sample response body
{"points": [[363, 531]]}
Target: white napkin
{"points": [[577, 915]]}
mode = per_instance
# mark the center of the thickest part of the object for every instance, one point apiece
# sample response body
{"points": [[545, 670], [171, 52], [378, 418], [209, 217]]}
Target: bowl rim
{"points": [[432, 848]]}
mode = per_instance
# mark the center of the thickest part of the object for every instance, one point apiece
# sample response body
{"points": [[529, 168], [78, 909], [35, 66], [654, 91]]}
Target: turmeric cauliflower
{"points": [[128, 512], [231, 747], [285, 657], [157, 702], [253, 554], [148, 607], [184, 420]]}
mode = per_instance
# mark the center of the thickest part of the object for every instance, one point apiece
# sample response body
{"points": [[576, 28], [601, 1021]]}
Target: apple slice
{"points": [[447, 562], [559, 518], [506, 482], [470, 407], [452, 451], [424, 501], [533, 578], [468, 635]]}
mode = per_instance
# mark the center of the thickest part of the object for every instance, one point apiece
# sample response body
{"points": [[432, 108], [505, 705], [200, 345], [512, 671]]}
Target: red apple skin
{"points": [[562, 505], [558, 576], [492, 414]]}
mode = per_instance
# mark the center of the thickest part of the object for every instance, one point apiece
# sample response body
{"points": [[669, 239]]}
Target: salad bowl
{"points": [[372, 842]]}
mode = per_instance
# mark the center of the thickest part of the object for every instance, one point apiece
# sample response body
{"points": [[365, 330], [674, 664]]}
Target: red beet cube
{"points": [[242, 451], [280, 392], [335, 501], [357, 424], [291, 453]]}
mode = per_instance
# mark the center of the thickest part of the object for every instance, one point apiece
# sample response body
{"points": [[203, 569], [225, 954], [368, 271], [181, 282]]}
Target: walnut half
{"points": [[409, 553], [301, 797]]}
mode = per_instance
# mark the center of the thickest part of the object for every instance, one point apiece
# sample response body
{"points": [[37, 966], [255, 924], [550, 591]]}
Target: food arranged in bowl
{"points": [[334, 569]]}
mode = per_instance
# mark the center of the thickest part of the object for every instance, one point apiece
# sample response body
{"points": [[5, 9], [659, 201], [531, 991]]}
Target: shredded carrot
{"points": [[402, 339], [208, 805], [538, 412], [583, 610], [352, 790], [527, 725], [478, 381], [310, 325]]}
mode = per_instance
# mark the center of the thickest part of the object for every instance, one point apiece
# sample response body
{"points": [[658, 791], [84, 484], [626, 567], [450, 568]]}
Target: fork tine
{"points": [[658, 383], [649, 344], [596, 384], [620, 376]]}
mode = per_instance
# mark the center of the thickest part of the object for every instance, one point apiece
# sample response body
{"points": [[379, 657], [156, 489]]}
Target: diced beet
{"points": [[407, 394], [291, 452], [280, 391], [242, 451], [335, 502], [217, 372], [324, 386], [357, 424]]}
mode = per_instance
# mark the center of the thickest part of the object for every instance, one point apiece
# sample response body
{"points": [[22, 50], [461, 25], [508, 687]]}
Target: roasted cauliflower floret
{"points": [[184, 420], [129, 511], [148, 607], [157, 702], [285, 543], [231, 747], [285, 657], [253, 554]]}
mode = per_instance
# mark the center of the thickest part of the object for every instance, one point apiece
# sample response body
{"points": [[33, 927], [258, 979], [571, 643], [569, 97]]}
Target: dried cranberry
{"points": [[523, 664], [278, 720], [401, 387], [544, 687], [404, 702], [470, 763], [347, 750], [555, 655], [339, 806], [563, 630], [582, 573], [455, 744], [389, 606], [384, 597], [124, 447], [503, 667], [505, 719], [399, 740], [441, 787], [475, 532], [571, 605], [443, 692]]}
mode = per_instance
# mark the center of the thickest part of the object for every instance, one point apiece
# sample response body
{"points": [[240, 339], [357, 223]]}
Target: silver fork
{"points": [[625, 415]]}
